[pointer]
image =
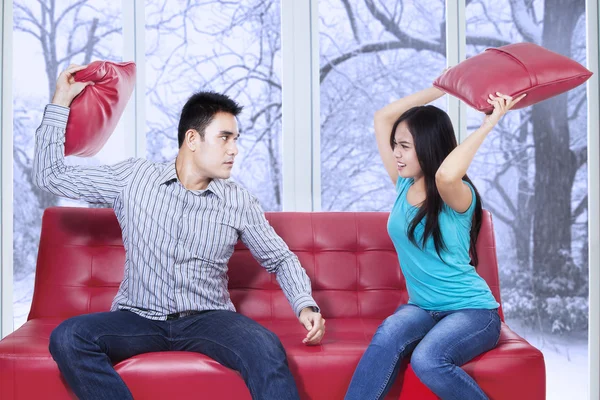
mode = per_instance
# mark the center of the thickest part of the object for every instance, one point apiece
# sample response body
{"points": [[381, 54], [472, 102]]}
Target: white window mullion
{"points": [[298, 155], [593, 164], [456, 45], [134, 49], [6, 169], [316, 105]]}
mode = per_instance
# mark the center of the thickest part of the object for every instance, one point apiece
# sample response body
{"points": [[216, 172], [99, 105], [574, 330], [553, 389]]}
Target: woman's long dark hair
{"points": [[434, 139]]}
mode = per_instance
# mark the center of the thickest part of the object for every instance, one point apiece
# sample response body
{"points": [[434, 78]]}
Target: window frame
{"points": [[301, 135]]}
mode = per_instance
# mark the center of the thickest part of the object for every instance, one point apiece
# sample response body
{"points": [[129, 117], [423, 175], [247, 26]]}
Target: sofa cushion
{"points": [[514, 369], [81, 258]]}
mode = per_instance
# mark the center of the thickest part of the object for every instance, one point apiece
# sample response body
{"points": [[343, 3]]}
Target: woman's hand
{"points": [[502, 103]]}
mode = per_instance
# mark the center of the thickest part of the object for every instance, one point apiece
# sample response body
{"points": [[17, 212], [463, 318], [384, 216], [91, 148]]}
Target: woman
{"points": [[451, 316]]}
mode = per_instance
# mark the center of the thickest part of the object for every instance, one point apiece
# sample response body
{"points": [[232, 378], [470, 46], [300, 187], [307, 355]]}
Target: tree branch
{"points": [[497, 214], [410, 43], [580, 104], [371, 48], [68, 9], [91, 42], [498, 186], [581, 207], [351, 19], [527, 27], [486, 41], [35, 35], [580, 154], [31, 18]]}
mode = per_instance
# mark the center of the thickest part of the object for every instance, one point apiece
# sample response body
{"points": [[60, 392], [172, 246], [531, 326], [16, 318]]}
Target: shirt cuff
{"points": [[56, 115], [303, 301]]}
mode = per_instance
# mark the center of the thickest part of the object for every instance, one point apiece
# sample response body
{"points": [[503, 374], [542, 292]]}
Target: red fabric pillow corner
{"points": [[512, 70], [96, 111]]}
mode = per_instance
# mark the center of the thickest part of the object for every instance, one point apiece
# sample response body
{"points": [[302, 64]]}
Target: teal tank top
{"points": [[434, 283]]}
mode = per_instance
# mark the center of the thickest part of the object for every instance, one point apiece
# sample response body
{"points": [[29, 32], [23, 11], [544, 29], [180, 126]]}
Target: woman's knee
{"points": [[387, 334], [407, 325], [426, 363]]}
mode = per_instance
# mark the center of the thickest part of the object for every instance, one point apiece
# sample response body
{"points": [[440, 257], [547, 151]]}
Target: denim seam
{"points": [[472, 335], [387, 379], [396, 360], [95, 339]]}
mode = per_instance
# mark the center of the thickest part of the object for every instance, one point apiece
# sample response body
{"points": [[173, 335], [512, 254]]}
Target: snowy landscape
{"points": [[371, 52]]}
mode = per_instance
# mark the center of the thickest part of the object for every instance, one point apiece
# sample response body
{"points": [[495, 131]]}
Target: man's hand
{"points": [[314, 324], [66, 87]]}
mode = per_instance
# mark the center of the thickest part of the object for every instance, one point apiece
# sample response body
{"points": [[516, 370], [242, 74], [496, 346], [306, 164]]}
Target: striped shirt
{"points": [[177, 241]]}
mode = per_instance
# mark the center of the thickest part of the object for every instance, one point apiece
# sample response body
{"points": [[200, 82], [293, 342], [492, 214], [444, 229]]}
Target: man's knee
{"points": [[262, 348], [63, 338], [270, 346]]}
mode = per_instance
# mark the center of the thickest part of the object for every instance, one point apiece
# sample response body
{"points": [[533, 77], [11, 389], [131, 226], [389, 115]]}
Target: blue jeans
{"points": [[440, 342], [86, 347]]}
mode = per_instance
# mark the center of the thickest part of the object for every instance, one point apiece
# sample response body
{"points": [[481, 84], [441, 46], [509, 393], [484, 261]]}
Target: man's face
{"points": [[214, 156]]}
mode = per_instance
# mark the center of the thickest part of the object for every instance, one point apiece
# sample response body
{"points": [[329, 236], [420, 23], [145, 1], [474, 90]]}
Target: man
{"points": [[180, 221]]}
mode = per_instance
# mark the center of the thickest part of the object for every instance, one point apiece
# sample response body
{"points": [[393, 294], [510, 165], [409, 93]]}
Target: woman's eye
{"points": [[224, 138]]}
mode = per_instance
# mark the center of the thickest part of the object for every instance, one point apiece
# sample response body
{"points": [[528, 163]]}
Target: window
{"points": [[531, 172], [365, 63], [47, 37], [229, 47]]}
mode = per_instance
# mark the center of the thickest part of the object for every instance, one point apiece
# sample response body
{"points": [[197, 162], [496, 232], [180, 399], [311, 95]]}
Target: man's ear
{"points": [[191, 139]]}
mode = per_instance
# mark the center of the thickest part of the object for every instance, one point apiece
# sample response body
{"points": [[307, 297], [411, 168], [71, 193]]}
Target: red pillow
{"points": [[513, 70], [97, 110]]}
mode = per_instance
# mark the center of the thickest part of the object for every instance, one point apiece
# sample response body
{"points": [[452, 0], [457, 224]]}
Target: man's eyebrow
{"points": [[228, 133]]}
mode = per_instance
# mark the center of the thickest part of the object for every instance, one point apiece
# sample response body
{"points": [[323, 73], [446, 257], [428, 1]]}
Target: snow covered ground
{"points": [[566, 363]]}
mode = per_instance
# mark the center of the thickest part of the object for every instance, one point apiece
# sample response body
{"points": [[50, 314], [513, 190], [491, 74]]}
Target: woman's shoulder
{"points": [[468, 213], [403, 183]]}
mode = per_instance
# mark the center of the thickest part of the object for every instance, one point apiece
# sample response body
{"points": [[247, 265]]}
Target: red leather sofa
{"points": [[356, 281]]}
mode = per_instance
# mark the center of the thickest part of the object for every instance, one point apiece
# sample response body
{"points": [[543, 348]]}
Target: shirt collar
{"points": [[217, 186], [169, 174]]}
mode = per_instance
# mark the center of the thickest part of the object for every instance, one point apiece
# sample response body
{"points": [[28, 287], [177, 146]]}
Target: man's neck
{"points": [[185, 175]]}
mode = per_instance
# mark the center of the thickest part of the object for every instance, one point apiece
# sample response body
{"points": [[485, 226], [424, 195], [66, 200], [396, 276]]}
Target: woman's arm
{"points": [[448, 177], [384, 121]]}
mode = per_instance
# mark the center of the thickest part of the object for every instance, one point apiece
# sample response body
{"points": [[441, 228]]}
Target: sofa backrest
{"points": [[348, 256]]}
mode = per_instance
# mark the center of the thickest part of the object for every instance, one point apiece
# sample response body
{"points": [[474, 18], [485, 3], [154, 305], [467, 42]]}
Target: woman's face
{"points": [[405, 154]]}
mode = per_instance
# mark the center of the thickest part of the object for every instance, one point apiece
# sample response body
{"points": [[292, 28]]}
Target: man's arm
{"points": [[269, 249], [100, 184], [92, 184]]}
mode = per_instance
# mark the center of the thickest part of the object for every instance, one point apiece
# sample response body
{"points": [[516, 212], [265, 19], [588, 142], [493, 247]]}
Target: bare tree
{"points": [[555, 162], [248, 73], [539, 152], [66, 32], [83, 26]]}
